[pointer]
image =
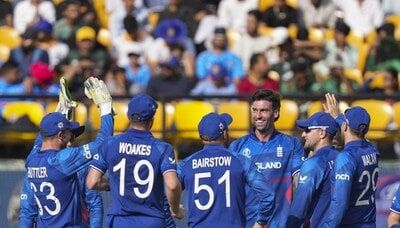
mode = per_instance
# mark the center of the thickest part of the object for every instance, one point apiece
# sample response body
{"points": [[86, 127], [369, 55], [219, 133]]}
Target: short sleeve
{"points": [[168, 162], [396, 202], [298, 156], [99, 161]]}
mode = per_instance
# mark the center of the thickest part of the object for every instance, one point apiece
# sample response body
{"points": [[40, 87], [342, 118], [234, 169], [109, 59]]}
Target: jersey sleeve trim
{"points": [[96, 168], [295, 172], [395, 211], [169, 170]]}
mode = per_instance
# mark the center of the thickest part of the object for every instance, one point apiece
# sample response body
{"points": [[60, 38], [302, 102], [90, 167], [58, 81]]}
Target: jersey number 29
{"points": [[204, 187], [371, 182], [149, 180]]}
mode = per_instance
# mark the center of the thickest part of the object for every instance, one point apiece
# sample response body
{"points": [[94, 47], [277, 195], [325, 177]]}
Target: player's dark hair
{"points": [[144, 123], [361, 133], [268, 95]]}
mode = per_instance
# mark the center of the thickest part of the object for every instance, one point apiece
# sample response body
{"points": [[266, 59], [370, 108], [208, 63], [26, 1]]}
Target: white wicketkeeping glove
{"points": [[65, 103], [97, 90]]}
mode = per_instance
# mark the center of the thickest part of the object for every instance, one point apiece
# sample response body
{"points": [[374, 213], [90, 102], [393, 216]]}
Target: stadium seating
{"points": [[381, 115], [188, 115], [355, 75], [4, 53], [240, 112], [80, 115], [316, 106], [14, 110], [121, 121], [23, 118], [104, 37], [396, 112], [9, 37], [158, 124], [289, 113]]}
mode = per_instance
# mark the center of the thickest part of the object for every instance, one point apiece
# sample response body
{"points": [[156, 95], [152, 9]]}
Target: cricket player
{"points": [[139, 166], [92, 201], [215, 180], [313, 194], [276, 155], [394, 216], [355, 171], [52, 168]]}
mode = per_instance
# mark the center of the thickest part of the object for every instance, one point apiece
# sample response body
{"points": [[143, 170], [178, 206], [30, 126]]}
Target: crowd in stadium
{"points": [[226, 47]]}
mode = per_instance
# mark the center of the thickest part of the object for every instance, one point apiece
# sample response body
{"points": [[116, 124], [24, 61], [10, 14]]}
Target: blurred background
{"points": [[194, 57]]}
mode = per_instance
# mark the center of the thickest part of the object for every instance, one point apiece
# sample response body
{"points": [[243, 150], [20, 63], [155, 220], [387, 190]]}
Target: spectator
{"points": [[133, 36], [86, 48], [217, 83], [66, 27], [43, 79], [115, 22], [207, 19], [385, 51], [219, 53], [28, 12], [10, 81], [390, 85], [116, 81], [6, 13], [300, 80], [175, 10], [57, 50], [280, 15], [258, 76], [317, 13], [363, 16], [170, 81], [339, 50], [28, 52], [138, 74], [232, 14], [77, 72], [170, 34], [335, 82], [251, 42]]}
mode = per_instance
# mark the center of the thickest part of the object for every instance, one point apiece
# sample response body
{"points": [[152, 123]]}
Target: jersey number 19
{"points": [[149, 180]]}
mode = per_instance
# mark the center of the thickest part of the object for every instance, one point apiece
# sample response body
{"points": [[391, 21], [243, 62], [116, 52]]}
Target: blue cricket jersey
{"points": [[396, 202], [53, 181], [278, 159], [354, 184], [136, 162], [313, 194], [215, 180]]}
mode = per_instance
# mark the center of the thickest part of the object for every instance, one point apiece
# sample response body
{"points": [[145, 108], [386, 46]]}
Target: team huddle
{"points": [[263, 179]]}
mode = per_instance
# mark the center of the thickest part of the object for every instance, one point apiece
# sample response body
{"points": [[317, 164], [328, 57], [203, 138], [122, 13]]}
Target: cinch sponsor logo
{"points": [[268, 165], [342, 177]]}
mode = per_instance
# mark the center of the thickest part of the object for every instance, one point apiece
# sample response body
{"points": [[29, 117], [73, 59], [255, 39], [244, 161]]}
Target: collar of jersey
{"points": [[140, 133], [254, 137], [213, 146], [324, 149], [356, 143]]}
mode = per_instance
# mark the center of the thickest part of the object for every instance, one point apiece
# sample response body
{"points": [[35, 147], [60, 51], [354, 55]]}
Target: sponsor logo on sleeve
{"points": [[341, 176], [171, 161], [302, 179]]}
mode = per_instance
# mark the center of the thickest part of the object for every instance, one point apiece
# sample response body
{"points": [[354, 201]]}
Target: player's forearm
{"points": [[174, 197]]}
